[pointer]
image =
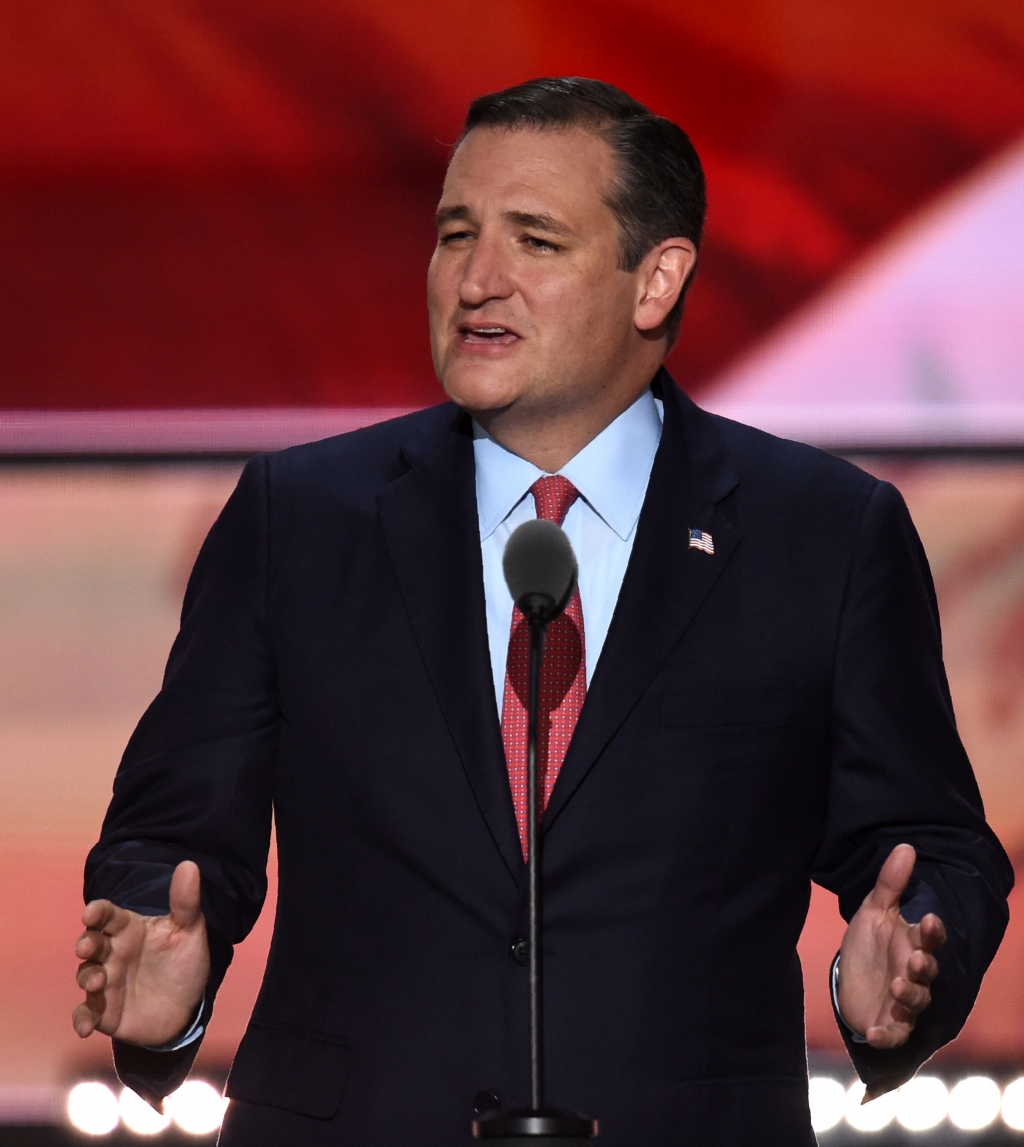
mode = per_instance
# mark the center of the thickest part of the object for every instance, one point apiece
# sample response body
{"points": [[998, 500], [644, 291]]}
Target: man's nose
{"points": [[485, 274]]}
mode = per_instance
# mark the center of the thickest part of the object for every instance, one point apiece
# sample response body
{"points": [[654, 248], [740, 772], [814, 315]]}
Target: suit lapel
{"points": [[430, 522], [666, 581]]}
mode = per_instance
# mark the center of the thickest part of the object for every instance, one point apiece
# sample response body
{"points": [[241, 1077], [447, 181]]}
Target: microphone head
{"points": [[540, 569]]}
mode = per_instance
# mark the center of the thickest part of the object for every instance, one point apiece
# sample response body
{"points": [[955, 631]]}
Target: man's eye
{"points": [[454, 237], [540, 244]]}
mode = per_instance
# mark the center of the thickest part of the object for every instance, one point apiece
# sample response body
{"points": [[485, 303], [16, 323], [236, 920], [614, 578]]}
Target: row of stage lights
{"points": [[972, 1104], [196, 1108]]}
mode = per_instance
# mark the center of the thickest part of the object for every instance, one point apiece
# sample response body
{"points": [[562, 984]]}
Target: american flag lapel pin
{"points": [[702, 540]]}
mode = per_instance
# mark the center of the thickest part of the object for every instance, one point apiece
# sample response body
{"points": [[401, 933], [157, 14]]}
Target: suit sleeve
{"points": [[900, 774], [195, 782]]}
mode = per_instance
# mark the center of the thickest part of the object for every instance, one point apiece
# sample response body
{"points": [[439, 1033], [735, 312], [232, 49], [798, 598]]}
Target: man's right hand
{"points": [[143, 975]]}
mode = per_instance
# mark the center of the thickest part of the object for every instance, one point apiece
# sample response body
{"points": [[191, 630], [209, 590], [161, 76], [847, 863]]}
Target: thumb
{"points": [[185, 895], [893, 878]]}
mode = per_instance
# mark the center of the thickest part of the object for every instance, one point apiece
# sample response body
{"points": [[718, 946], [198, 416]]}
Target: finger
{"points": [[91, 977], [927, 935], [933, 932], [889, 1035], [93, 946], [103, 916], [922, 968], [914, 997], [893, 878], [96, 1002], [186, 885], [83, 1020]]}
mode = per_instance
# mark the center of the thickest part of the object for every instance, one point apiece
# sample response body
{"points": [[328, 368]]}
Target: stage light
{"points": [[139, 1117], [871, 1116], [828, 1101], [1013, 1105], [197, 1107], [974, 1103], [92, 1108], [921, 1103]]}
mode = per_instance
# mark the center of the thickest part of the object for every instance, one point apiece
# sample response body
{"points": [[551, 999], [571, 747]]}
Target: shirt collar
{"points": [[611, 472]]}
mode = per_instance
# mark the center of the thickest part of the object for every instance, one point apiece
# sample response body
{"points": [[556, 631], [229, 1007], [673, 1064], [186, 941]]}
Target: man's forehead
{"points": [[537, 148], [526, 171]]}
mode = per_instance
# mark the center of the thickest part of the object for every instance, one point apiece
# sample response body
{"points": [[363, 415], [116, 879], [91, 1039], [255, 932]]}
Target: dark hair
{"points": [[660, 190]]}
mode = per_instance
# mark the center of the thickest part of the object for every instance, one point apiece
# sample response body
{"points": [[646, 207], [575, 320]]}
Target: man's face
{"points": [[528, 309]]}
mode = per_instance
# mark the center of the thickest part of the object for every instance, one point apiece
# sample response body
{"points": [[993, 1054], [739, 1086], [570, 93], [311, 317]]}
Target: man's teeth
{"points": [[487, 334]]}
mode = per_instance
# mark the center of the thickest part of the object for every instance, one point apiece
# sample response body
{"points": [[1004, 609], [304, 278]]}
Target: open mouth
{"points": [[486, 334]]}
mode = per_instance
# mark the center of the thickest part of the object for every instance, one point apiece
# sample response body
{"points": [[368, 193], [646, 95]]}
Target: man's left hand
{"points": [[886, 965]]}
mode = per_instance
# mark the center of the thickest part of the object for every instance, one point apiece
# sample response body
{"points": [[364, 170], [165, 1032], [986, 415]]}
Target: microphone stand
{"points": [[557, 1128], [534, 869]]}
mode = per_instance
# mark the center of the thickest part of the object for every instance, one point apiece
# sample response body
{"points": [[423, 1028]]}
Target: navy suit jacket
{"points": [[771, 714]]}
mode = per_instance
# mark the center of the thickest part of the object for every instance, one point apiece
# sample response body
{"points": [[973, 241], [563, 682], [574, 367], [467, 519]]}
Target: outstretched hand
{"points": [[886, 965], [143, 975]]}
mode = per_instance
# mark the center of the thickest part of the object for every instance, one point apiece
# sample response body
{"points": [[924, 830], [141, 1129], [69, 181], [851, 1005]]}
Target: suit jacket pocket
{"points": [[729, 707], [300, 1071]]}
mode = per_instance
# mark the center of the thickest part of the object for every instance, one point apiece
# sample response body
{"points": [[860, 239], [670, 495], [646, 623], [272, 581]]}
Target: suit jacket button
{"points": [[485, 1101], [521, 952]]}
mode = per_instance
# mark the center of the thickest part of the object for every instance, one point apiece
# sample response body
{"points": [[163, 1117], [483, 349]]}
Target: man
{"points": [[757, 644]]}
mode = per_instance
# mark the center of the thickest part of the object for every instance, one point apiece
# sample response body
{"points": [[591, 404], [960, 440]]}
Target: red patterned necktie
{"points": [[563, 680]]}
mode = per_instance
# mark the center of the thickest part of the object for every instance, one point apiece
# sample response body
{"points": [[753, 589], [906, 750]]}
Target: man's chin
{"points": [[480, 391]]}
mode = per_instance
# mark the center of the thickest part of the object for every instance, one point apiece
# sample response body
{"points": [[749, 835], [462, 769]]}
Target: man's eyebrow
{"points": [[450, 214], [541, 222]]}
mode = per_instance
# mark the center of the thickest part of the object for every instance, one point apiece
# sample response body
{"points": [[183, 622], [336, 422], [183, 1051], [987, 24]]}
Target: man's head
{"points": [[568, 229]]}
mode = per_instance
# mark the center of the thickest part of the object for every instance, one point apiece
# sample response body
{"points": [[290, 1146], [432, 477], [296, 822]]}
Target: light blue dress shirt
{"points": [[611, 474]]}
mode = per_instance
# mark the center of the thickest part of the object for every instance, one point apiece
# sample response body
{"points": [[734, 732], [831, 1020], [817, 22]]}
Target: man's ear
{"points": [[663, 274]]}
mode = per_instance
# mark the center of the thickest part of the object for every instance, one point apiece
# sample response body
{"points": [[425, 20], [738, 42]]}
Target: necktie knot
{"points": [[553, 496]]}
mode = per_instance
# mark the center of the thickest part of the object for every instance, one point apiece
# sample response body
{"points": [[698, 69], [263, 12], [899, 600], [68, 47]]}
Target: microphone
{"points": [[541, 572], [540, 569]]}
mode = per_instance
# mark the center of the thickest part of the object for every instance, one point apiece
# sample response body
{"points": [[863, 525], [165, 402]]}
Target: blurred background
{"points": [[215, 220]]}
